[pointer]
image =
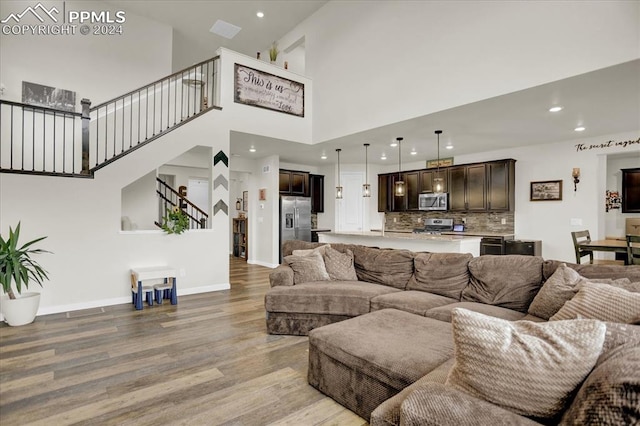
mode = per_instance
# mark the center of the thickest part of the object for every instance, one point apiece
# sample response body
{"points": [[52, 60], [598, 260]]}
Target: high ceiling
{"points": [[606, 101]]}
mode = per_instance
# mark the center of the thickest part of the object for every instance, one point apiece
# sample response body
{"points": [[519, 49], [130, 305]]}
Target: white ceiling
{"points": [[606, 101]]}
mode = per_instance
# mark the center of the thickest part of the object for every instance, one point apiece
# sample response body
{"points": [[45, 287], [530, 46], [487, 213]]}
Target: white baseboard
{"points": [[123, 300], [268, 265]]}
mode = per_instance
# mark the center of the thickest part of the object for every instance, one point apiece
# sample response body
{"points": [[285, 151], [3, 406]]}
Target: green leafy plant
{"points": [[273, 52], [175, 222], [16, 263]]}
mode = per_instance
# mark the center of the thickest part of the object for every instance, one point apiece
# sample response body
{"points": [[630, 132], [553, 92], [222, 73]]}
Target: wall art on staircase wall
{"points": [[265, 90], [49, 97]]}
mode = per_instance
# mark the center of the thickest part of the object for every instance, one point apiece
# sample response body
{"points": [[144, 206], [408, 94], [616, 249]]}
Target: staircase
{"points": [[48, 141], [168, 198]]}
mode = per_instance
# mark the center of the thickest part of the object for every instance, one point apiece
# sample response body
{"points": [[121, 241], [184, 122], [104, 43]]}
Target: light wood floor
{"points": [[206, 361]]}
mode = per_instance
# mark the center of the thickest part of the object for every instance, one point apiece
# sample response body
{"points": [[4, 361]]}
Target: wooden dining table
{"points": [[617, 246]]}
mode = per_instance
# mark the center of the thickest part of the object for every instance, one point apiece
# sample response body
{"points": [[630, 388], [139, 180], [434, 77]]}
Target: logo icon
{"points": [[34, 11]]}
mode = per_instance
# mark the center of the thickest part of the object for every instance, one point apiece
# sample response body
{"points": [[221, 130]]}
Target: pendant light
{"points": [[399, 185], [339, 187], [438, 182], [366, 188]]}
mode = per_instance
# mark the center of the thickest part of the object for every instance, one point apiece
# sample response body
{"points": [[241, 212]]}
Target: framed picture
{"points": [[547, 190], [245, 200], [444, 162], [262, 194], [47, 96]]}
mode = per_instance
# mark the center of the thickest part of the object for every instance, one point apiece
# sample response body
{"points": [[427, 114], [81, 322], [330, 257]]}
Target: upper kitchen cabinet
{"points": [[631, 190], [427, 177], [501, 185], [412, 189], [293, 182], [468, 188], [317, 193]]}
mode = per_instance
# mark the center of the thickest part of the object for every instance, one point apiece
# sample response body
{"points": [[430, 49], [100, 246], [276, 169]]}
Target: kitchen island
{"points": [[406, 240]]}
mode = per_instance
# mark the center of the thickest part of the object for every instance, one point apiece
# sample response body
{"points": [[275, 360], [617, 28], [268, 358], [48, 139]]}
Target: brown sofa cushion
{"points": [[611, 393], [325, 297], [443, 313], [508, 281], [389, 267], [589, 270], [445, 274], [416, 302]]}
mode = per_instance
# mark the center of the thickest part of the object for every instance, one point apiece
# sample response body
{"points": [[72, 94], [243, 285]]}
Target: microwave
{"points": [[433, 201]]}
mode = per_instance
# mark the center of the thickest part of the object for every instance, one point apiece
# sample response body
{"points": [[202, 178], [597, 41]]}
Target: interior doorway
{"points": [[198, 192]]}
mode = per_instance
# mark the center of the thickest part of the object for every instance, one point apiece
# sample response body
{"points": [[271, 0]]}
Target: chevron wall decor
{"points": [[221, 166]]}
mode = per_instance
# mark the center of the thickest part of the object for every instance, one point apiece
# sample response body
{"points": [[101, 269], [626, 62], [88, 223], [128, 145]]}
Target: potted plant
{"points": [[175, 222], [273, 52], [16, 265]]}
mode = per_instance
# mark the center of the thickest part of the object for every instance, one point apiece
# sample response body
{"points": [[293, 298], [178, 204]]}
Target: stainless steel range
{"points": [[435, 226]]}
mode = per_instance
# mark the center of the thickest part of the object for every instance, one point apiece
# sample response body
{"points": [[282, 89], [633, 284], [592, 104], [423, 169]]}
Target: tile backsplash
{"points": [[475, 221]]}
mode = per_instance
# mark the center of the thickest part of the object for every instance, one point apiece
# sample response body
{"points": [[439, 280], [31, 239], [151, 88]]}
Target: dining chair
{"points": [[584, 237], [633, 252]]}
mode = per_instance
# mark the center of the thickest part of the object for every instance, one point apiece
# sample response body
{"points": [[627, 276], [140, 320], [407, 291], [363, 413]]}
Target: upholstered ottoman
{"points": [[363, 361]]}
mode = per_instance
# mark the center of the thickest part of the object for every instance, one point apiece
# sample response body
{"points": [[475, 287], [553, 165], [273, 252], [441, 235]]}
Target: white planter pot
{"points": [[22, 310]]}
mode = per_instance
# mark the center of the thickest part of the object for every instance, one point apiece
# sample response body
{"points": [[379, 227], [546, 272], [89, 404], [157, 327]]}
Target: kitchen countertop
{"points": [[408, 235], [464, 233]]}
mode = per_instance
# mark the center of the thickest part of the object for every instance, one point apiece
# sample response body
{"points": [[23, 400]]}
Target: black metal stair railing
{"points": [[168, 198], [48, 141]]}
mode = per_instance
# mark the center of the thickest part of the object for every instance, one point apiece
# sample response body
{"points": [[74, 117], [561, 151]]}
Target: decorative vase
{"points": [[22, 310]]}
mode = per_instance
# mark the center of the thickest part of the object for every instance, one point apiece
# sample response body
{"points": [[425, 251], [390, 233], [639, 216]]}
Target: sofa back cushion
{"points": [[591, 271], [508, 281], [392, 267], [445, 274]]}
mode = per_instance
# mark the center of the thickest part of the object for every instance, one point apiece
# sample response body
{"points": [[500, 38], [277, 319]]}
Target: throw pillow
{"points": [[340, 265], [307, 268], [529, 368], [319, 249], [601, 301], [561, 287]]}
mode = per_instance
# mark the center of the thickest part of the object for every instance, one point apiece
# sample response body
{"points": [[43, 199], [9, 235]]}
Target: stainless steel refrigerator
{"points": [[295, 219]]}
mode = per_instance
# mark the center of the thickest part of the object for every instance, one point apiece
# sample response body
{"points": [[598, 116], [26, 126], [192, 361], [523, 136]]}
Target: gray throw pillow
{"points": [[602, 302], [307, 268], [340, 265], [562, 286]]}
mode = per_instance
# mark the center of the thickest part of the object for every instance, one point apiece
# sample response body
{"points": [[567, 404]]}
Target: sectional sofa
{"points": [[392, 334]]}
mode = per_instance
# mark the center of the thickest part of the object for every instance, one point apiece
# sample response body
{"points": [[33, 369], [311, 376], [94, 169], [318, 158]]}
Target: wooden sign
{"points": [[444, 162], [264, 90]]}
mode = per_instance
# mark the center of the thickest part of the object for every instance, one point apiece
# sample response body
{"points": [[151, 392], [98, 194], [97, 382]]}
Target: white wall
{"points": [[386, 61], [94, 66], [140, 203]]}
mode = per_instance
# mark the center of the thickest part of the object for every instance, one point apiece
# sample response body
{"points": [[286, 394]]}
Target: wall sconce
{"points": [[238, 203], [576, 175]]}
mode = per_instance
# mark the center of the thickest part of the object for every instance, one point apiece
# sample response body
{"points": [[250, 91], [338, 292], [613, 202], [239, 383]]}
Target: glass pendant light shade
{"points": [[338, 187], [366, 188], [438, 182], [399, 189]]}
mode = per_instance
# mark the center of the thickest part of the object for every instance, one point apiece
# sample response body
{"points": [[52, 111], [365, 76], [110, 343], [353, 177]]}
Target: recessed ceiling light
{"points": [[555, 108], [449, 146], [225, 29], [260, 14], [252, 149], [580, 129], [383, 157], [323, 157], [413, 153], [393, 144]]}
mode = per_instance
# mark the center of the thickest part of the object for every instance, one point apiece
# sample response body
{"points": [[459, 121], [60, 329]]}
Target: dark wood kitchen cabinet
{"points": [[412, 187], [294, 182], [631, 190], [316, 183], [468, 188], [500, 185], [427, 183], [383, 193]]}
